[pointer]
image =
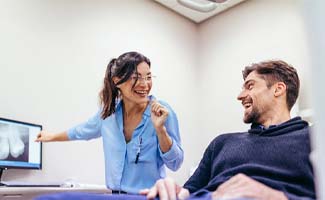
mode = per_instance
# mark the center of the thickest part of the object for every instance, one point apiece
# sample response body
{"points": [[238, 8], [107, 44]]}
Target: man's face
{"points": [[256, 98]]}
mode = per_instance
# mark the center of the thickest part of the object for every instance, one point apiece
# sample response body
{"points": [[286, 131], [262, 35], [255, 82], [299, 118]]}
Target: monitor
{"points": [[18, 148]]}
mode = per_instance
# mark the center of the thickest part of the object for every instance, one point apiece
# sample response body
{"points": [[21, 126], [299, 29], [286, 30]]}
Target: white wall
{"points": [[54, 54], [53, 58], [253, 31]]}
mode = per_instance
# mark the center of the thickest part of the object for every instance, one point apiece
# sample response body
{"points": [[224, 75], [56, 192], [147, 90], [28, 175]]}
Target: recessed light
{"points": [[218, 1], [199, 5]]}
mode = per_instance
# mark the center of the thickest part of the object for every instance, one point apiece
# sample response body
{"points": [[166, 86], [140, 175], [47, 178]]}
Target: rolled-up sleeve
{"points": [[87, 130], [173, 158]]}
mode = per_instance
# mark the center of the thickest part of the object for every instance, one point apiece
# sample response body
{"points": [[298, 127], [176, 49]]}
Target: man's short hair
{"points": [[277, 71]]}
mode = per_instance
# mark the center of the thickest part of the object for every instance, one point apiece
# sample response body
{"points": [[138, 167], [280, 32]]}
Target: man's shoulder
{"points": [[224, 139]]}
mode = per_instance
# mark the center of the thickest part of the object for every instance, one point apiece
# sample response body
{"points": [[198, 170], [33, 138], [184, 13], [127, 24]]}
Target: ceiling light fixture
{"points": [[218, 1], [199, 5]]}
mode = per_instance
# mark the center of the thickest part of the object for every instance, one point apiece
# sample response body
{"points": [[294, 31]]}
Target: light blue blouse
{"points": [[122, 170]]}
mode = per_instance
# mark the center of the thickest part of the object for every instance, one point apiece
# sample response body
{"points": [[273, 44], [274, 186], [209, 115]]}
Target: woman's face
{"points": [[139, 93]]}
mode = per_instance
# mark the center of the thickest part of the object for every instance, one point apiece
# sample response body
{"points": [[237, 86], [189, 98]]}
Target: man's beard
{"points": [[253, 116]]}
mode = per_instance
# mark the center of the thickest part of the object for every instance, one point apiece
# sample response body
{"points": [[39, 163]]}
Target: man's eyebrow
{"points": [[248, 82]]}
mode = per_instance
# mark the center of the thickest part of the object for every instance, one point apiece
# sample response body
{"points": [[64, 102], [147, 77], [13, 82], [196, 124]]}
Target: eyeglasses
{"points": [[142, 79]]}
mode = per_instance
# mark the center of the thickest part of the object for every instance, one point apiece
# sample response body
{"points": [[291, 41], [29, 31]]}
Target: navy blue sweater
{"points": [[277, 157]]}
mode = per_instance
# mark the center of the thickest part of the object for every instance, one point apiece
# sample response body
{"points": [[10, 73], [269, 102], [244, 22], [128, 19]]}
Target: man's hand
{"points": [[167, 189], [244, 186]]}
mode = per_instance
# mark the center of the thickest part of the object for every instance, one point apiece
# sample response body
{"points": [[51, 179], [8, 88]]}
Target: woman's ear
{"points": [[280, 89], [115, 81]]}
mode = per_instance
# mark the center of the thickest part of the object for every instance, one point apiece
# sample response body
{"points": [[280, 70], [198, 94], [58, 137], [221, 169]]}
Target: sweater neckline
{"points": [[295, 123]]}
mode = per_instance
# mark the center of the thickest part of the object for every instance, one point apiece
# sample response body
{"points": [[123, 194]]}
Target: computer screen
{"points": [[17, 146]]}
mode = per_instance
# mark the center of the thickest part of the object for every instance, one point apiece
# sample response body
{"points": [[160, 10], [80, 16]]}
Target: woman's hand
{"points": [[166, 189], [159, 115], [45, 136]]}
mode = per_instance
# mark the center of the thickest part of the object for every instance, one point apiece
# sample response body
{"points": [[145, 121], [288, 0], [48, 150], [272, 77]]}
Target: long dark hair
{"points": [[122, 67]]}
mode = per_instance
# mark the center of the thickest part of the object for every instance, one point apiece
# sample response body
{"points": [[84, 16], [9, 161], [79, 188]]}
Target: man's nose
{"points": [[241, 95]]}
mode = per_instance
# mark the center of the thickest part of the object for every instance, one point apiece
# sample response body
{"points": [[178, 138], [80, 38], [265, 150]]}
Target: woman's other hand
{"points": [[45, 136]]}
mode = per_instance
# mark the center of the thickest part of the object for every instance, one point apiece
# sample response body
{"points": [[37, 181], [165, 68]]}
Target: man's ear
{"points": [[280, 89]]}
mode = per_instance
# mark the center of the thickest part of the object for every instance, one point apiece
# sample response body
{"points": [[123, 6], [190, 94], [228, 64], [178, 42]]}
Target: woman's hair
{"points": [[122, 67], [277, 71]]}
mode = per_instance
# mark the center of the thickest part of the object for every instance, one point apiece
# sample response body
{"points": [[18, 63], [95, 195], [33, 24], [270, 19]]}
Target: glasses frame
{"points": [[145, 79]]}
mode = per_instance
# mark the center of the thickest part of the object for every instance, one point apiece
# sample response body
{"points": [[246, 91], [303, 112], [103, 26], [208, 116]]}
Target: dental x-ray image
{"points": [[14, 142]]}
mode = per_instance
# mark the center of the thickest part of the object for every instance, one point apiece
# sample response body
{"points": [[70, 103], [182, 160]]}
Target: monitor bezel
{"points": [[29, 124]]}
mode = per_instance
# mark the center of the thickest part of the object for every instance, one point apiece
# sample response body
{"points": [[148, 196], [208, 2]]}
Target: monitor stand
{"points": [[1, 171]]}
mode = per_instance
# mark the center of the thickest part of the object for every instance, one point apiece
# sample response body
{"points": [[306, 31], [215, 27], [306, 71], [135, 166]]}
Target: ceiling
{"points": [[194, 15]]}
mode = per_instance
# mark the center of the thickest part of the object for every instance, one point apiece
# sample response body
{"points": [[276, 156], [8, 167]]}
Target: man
{"points": [[270, 161]]}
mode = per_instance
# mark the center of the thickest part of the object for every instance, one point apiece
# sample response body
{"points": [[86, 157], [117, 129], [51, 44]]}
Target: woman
{"points": [[140, 134]]}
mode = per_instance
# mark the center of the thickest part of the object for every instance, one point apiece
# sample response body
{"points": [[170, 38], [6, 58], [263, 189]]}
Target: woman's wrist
{"points": [[161, 130], [165, 141]]}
